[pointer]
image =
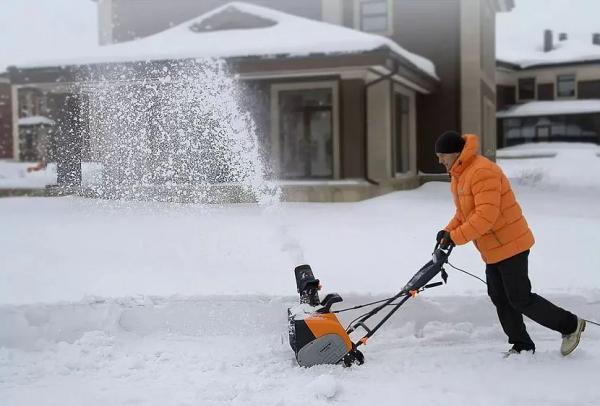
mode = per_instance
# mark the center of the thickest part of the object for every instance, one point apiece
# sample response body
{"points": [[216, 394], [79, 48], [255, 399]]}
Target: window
{"points": [[374, 16], [565, 86], [306, 133], [526, 88]]}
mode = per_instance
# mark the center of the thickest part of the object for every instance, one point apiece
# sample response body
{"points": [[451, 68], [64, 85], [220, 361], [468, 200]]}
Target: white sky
{"points": [[49, 29], [45, 29]]}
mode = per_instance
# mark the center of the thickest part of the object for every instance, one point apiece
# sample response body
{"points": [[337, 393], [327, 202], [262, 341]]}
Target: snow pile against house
{"points": [[520, 33]]}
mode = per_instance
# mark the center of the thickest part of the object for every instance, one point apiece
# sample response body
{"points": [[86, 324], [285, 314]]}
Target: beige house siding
{"points": [[352, 98], [379, 123], [549, 74], [411, 94]]}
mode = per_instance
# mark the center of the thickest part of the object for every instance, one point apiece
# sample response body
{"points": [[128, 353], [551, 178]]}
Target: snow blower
{"points": [[317, 336]]}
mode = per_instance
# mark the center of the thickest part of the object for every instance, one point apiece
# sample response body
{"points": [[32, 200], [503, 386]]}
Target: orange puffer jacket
{"points": [[487, 211]]}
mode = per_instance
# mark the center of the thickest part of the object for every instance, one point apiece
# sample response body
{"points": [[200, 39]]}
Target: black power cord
{"points": [[468, 273], [477, 277]]}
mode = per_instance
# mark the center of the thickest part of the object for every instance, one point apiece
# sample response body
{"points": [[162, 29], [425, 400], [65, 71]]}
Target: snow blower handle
{"points": [[440, 255]]}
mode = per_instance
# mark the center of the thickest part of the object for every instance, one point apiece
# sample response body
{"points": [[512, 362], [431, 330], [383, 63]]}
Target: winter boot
{"points": [[516, 349], [570, 341]]}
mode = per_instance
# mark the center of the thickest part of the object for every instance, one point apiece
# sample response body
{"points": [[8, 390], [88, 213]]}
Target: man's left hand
{"points": [[446, 241]]}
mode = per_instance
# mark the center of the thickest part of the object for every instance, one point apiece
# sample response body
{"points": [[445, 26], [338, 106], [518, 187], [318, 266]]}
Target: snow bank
{"points": [[217, 351], [14, 175], [558, 170]]}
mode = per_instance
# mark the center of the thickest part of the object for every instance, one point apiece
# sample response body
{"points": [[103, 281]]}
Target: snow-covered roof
{"points": [[280, 34], [44, 29], [520, 32], [35, 120], [548, 108]]}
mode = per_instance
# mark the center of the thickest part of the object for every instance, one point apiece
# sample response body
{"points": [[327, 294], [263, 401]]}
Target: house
{"points": [[383, 106], [548, 81], [458, 36]]}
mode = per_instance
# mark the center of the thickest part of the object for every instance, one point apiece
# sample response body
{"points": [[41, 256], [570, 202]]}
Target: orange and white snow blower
{"points": [[317, 336]]}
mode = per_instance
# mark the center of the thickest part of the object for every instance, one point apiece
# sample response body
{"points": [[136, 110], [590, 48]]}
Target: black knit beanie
{"points": [[449, 142]]}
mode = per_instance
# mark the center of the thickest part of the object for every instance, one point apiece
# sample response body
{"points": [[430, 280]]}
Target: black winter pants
{"points": [[510, 290]]}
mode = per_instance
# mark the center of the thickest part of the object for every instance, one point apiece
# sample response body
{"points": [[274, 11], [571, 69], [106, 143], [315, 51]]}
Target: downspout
{"points": [[366, 126]]}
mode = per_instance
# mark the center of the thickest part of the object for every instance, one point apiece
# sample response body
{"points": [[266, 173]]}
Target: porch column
{"points": [[69, 141], [14, 98]]}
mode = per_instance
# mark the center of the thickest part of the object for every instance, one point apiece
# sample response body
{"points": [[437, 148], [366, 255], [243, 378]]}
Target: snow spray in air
{"points": [[174, 132], [177, 132]]}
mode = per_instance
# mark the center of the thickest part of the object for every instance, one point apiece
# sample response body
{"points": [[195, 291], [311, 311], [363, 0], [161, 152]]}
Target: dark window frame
{"points": [[307, 110], [571, 77], [520, 89], [386, 15]]}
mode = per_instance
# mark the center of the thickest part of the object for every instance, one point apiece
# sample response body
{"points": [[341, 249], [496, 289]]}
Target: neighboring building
{"points": [[548, 82], [550, 102], [384, 106]]}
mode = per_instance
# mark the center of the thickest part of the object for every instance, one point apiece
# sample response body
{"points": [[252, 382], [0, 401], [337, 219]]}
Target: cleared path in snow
{"points": [[234, 350]]}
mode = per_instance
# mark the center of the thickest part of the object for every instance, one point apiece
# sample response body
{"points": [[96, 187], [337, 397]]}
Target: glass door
{"points": [[542, 133], [306, 134]]}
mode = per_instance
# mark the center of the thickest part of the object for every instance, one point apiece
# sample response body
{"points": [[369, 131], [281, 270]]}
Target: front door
{"points": [[543, 133], [306, 134]]}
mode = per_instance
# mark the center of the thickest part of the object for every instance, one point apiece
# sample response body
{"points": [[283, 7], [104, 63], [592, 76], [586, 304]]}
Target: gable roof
{"points": [[243, 30], [520, 33]]}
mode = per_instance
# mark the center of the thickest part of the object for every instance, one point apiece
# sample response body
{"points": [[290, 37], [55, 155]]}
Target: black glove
{"points": [[443, 238]]}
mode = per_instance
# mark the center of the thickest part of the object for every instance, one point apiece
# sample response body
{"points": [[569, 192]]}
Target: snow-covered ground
{"points": [[153, 304], [15, 175]]}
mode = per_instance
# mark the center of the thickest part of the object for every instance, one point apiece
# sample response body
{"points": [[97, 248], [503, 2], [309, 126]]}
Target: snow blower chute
{"points": [[315, 333]]}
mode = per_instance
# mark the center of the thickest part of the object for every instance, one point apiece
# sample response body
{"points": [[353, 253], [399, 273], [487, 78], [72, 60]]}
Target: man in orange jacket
{"points": [[488, 214]]}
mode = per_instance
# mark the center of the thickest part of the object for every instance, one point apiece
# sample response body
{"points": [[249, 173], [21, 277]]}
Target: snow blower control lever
{"points": [[315, 333]]}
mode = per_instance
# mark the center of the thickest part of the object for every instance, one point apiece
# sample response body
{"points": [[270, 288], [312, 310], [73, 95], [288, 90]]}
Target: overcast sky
{"points": [[46, 29]]}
